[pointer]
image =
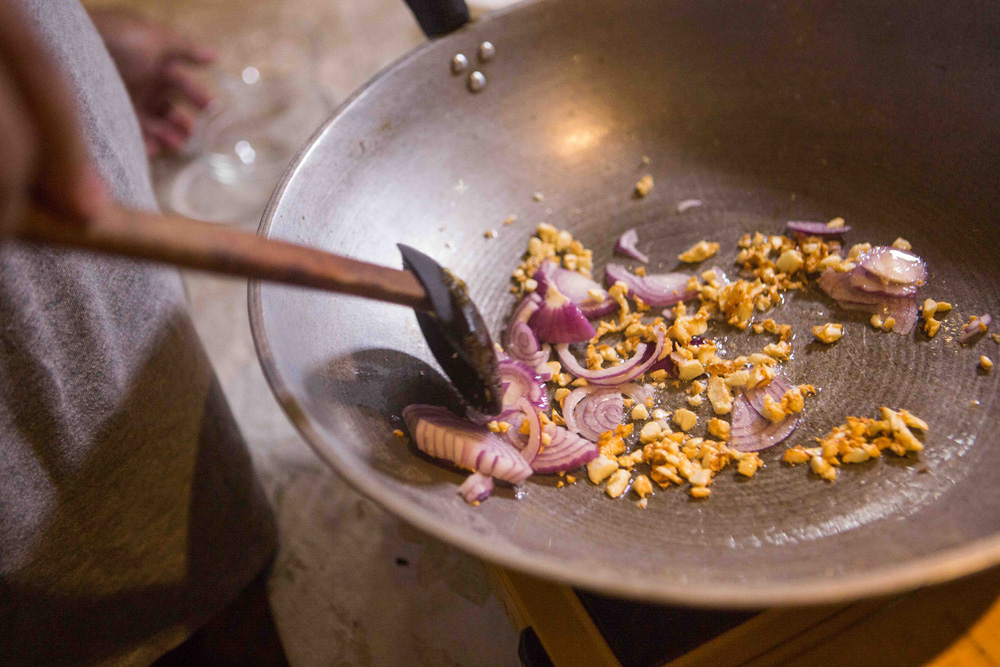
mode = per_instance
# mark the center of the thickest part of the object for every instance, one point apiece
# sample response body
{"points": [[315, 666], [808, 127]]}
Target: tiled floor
{"points": [[352, 585]]}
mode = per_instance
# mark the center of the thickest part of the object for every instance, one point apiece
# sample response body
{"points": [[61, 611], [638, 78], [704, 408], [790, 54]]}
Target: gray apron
{"points": [[129, 510]]}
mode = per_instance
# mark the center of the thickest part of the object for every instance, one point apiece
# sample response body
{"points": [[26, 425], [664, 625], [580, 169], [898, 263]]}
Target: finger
{"points": [[187, 85], [179, 46], [165, 133], [18, 140], [181, 117], [63, 171]]}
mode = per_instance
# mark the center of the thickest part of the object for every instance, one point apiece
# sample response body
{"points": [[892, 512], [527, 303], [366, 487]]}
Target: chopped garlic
{"points": [[902, 244], [689, 369], [644, 186], [639, 412], [719, 395], [772, 410], [642, 486], [822, 468], [699, 252], [719, 428], [684, 418], [618, 483], [828, 333], [931, 327], [650, 432], [986, 363], [601, 468], [748, 466], [790, 261]]}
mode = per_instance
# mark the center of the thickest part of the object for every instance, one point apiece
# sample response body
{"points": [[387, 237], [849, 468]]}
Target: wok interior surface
{"points": [[766, 112]]}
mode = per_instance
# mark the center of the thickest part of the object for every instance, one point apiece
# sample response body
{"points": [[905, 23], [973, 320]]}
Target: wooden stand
{"points": [[956, 624]]}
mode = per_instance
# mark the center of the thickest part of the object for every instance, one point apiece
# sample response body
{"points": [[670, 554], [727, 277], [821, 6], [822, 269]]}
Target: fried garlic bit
{"points": [[555, 245], [644, 186], [828, 333], [699, 252], [928, 311], [860, 439]]}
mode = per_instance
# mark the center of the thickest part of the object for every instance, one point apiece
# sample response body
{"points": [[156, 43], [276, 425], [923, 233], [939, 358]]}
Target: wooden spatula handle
{"points": [[174, 239]]}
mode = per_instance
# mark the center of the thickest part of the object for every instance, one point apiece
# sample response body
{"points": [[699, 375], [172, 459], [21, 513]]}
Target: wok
{"points": [[885, 115]]}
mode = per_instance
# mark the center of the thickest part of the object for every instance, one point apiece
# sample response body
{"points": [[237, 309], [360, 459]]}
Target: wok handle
{"points": [[180, 241], [439, 17]]}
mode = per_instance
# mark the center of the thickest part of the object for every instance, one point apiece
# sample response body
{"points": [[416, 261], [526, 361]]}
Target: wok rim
{"points": [[919, 572]]}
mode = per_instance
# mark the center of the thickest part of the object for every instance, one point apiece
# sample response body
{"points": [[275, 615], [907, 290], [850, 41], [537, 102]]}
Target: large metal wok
{"points": [[884, 114]]}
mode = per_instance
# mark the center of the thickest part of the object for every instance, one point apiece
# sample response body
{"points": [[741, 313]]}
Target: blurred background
{"points": [[351, 585]]}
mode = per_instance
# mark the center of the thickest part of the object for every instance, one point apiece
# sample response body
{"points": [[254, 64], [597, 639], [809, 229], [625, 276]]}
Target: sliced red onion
{"points": [[776, 389], [893, 265], [901, 309], [519, 341], [815, 228], [860, 279], [439, 433], [750, 432], [521, 381], [688, 204], [972, 329], [592, 410], [476, 488], [644, 357], [534, 445], [566, 451], [626, 246], [639, 393], [557, 320], [838, 286], [663, 289], [577, 288]]}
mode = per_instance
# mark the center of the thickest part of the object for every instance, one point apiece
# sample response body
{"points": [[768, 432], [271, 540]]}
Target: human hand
{"points": [[157, 65], [42, 154]]}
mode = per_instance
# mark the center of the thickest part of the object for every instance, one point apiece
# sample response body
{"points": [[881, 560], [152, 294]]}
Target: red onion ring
{"points": [[859, 279], [566, 451], [557, 320], [592, 410], [476, 488], [639, 393], [750, 432], [903, 309], [616, 375], [577, 288], [519, 341], [893, 265], [530, 451], [442, 435], [626, 246], [815, 228], [521, 382], [663, 289]]}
